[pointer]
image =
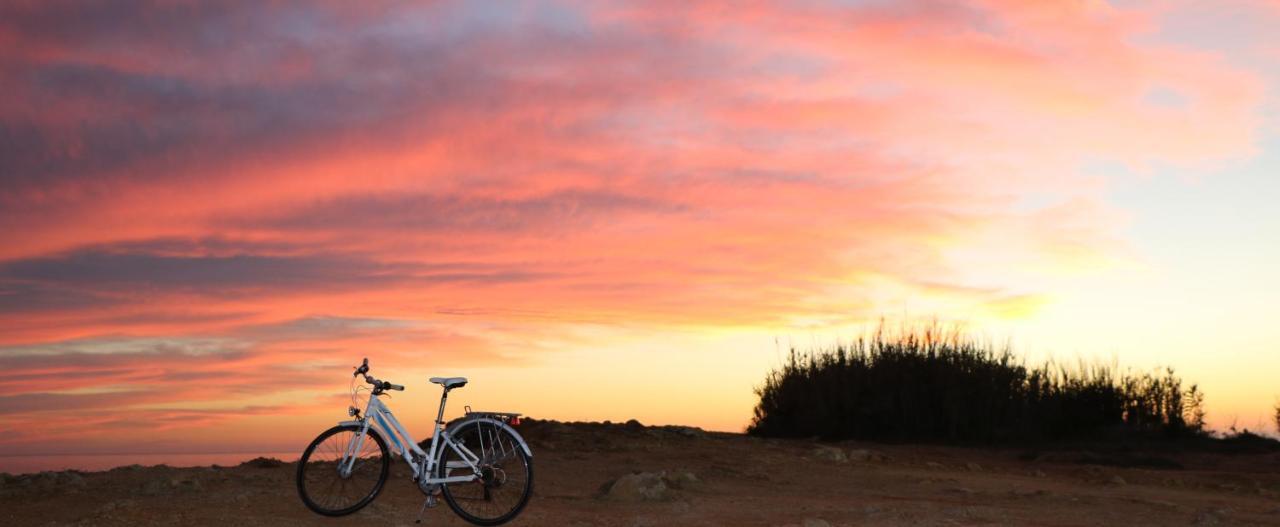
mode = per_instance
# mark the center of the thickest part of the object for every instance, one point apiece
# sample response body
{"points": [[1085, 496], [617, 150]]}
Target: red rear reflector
{"points": [[515, 421]]}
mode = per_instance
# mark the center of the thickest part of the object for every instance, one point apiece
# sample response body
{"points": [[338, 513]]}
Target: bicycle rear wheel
{"points": [[325, 489], [506, 481]]}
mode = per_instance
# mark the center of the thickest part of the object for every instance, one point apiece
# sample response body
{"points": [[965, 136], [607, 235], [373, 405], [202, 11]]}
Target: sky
{"points": [[211, 211]]}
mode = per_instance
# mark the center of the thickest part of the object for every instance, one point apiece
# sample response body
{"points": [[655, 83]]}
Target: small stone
{"points": [[973, 467], [1028, 493], [642, 486], [691, 432], [862, 454], [1211, 517], [152, 488], [1039, 473], [73, 481], [828, 453], [815, 522], [1117, 481], [186, 485], [935, 465]]}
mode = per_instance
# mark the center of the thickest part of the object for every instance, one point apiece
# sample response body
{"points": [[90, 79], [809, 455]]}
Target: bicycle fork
{"points": [[349, 456]]}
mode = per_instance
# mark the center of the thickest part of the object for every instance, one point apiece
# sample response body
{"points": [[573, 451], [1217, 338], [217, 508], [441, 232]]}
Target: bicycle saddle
{"points": [[450, 382]]}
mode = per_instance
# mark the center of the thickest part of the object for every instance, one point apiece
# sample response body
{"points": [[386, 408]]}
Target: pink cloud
{"points": [[508, 173]]}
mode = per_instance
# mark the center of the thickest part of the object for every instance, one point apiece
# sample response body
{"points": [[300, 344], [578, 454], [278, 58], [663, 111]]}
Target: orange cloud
{"points": [[192, 199]]}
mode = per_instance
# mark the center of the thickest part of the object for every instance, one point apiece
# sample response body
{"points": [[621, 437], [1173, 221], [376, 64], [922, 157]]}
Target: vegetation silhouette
{"points": [[1277, 416], [933, 384]]}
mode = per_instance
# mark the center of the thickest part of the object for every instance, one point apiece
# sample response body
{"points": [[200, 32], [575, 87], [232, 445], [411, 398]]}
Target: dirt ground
{"points": [[687, 477]]}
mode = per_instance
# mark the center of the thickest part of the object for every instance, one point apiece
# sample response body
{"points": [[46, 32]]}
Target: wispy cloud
{"points": [[298, 181]]}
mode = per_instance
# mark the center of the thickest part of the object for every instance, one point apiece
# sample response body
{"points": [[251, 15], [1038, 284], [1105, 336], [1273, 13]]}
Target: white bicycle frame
{"points": [[377, 414]]}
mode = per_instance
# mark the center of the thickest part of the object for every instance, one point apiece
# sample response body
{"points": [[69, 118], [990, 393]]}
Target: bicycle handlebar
{"points": [[377, 384]]}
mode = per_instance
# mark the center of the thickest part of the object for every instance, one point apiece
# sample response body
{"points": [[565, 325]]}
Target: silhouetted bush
{"points": [[1278, 417], [934, 385]]}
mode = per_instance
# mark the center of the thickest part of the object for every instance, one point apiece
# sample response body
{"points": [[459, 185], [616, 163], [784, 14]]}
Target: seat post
{"points": [[440, 415]]}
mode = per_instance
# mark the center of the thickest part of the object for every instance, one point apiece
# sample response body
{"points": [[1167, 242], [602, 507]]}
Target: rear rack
{"points": [[510, 418]]}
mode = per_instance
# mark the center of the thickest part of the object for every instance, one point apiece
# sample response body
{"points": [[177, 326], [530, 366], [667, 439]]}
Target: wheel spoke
{"points": [[322, 484], [504, 484]]}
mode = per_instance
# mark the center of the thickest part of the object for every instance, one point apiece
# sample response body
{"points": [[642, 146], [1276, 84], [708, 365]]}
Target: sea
{"points": [[23, 464]]}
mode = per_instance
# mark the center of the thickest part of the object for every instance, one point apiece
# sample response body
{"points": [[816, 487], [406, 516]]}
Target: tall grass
{"points": [[935, 385]]}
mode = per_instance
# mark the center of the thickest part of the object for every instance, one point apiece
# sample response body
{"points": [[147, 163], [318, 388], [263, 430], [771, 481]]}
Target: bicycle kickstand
{"points": [[430, 503]]}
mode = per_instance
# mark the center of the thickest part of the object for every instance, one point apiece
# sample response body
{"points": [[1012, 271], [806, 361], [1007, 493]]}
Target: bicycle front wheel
{"points": [[506, 473], [327, 487]]}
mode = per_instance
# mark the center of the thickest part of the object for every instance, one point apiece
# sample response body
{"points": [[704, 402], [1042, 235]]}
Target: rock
{"points": [[691, 432], [44, 481], [832, 454], [71, 480], [152, 487], [115, 506], [1211, 517], [680, 479], [48, 481], [1117, 481], [973, 467], [186, 485], [862, 454], [641, 486], [935, 465], [1161, 503], [815, 522], [263, 462], [1039, 473], [1028, 493]]}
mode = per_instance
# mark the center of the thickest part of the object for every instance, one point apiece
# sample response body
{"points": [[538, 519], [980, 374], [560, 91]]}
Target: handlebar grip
{"points": [[394, 387]]}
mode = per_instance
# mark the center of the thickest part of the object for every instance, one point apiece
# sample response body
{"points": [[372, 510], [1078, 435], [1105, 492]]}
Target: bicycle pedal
{"points": [[432, 502]]}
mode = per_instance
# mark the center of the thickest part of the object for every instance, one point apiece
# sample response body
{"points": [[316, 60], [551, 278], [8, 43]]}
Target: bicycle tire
{"points": [[457, 494], [327, 507]]}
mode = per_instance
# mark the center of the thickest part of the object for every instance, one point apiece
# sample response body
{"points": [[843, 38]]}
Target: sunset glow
{"points": [[211, 211]]}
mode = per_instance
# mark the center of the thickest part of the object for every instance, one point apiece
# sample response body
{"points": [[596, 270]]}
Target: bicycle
{"points": [[479, 463]]}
